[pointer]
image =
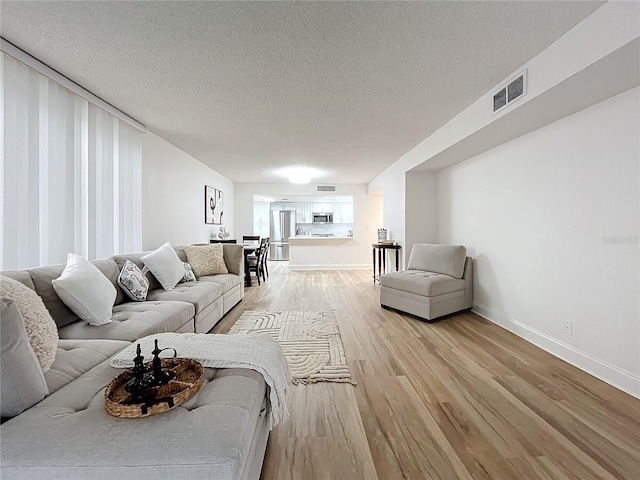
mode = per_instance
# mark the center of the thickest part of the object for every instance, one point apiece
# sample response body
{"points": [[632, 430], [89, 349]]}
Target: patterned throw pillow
{"points": [[133, 282], [189, 276]]}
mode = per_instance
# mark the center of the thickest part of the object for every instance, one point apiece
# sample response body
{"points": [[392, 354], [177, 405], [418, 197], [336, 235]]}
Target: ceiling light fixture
{"points": [[299, 177], [299, 174]]}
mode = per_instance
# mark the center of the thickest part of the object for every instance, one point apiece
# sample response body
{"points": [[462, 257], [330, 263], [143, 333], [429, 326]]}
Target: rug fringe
{"points": [[309, 381]]}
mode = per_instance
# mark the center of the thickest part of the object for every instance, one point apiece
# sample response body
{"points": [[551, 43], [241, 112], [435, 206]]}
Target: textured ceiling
{"points": [[251, 87]]}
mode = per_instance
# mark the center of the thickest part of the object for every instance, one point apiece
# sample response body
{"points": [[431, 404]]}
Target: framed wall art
{"points": [[213, 205]]}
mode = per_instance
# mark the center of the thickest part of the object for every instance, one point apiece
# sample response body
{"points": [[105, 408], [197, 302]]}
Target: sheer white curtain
{"points": [[71, 174]]}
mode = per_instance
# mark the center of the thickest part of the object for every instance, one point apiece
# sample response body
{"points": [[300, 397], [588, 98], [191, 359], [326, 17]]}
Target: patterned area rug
{"points": [[310, 340]]}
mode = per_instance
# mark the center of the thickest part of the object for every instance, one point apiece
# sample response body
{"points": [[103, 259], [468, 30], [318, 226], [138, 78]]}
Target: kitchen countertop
{"points": [[311, 237]]}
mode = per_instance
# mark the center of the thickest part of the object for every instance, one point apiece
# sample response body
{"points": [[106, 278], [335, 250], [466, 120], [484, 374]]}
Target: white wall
{"points": [[173, 196], [552, 220], [367, 217], [394, 208], [421, 205], [599, 36]]}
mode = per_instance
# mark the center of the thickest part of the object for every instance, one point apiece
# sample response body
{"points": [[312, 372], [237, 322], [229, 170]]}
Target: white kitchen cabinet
{"points": [[299, 213], [307, 212], [322, 207], [303, 211], [343, 212], [261, 218]]}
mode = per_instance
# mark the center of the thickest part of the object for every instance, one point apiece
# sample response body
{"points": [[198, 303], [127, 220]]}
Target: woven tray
{"points": [[189, 376]]}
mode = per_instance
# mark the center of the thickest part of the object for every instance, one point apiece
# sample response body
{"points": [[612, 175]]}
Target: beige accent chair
{"points": [[438, 281]]}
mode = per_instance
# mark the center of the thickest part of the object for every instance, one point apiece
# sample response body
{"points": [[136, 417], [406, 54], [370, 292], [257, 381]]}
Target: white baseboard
{"points": [[619, 378], [331, 267]]}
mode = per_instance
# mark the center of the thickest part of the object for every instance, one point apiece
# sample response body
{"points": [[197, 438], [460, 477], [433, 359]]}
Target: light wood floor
{"points": [[459, 398]]}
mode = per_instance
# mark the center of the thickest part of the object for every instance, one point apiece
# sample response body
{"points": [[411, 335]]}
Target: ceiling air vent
{"points": [[509, 93], [326, 188]]}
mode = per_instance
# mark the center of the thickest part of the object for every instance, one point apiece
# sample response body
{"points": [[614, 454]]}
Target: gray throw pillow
{"points": [[22, 382]]}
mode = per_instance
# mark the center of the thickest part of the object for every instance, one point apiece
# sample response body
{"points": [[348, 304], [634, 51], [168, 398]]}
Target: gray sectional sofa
{"points": [[219, 434]]}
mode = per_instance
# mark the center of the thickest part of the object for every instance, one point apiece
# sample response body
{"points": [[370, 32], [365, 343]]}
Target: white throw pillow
{"points": [[85, 290], [133, 282], [165, 266]]}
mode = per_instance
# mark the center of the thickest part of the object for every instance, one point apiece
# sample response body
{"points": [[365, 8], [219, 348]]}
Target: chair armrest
{"points": [[468, 279]]}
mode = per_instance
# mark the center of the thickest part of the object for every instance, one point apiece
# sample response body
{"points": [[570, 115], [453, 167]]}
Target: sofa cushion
{"points": [[227, 280], [70, 435], [134, 320], [233, 258], [76, 357], [133, 282], [21, 276], [206, 259], [110, 269], [86, 290], [182, 255], [23, 384], [429, 284], [445, 259], [40, 327], [42, 277], [165, 265], [39, 279], [199, 294]]}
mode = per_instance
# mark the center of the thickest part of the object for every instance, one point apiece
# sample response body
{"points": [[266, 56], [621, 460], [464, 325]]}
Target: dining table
{"points": [[248, 249]]}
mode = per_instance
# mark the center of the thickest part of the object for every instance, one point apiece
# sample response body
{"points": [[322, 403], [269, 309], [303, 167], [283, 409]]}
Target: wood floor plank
{"points": [[598, 456], [460, 398], [537, 467], [429, 422]]}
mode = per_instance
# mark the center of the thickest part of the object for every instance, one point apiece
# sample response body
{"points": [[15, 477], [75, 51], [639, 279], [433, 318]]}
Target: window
{"points": [[70, 174]]}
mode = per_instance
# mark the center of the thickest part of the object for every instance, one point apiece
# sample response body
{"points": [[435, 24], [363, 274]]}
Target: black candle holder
{"points": [[160, 376], [141, 382], [145, 378]]}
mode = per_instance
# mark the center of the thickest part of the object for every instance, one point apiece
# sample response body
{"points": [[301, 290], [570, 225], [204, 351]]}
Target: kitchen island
{"points": [[323, 252]]}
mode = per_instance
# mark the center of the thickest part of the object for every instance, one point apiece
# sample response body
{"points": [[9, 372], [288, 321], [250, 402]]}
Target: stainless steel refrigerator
{"points": [[282, 226]]}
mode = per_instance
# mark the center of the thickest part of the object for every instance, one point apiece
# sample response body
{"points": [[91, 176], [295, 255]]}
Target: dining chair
{"points": [[266, 255], [250, 238], [255, 261]]}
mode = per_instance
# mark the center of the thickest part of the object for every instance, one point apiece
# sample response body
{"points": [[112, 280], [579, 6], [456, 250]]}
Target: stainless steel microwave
{"points": [[323, 217]]}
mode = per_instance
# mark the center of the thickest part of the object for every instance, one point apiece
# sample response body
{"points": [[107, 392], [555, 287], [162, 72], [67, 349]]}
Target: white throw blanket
{"points": [[255, 352]]}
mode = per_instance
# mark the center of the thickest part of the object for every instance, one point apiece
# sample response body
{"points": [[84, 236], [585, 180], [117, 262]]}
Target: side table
{"points": [[381, 250], [228, 240]]}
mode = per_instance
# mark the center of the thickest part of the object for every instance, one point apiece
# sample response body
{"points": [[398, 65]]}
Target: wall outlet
{"points": [[331, 259], [568, 327]]}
